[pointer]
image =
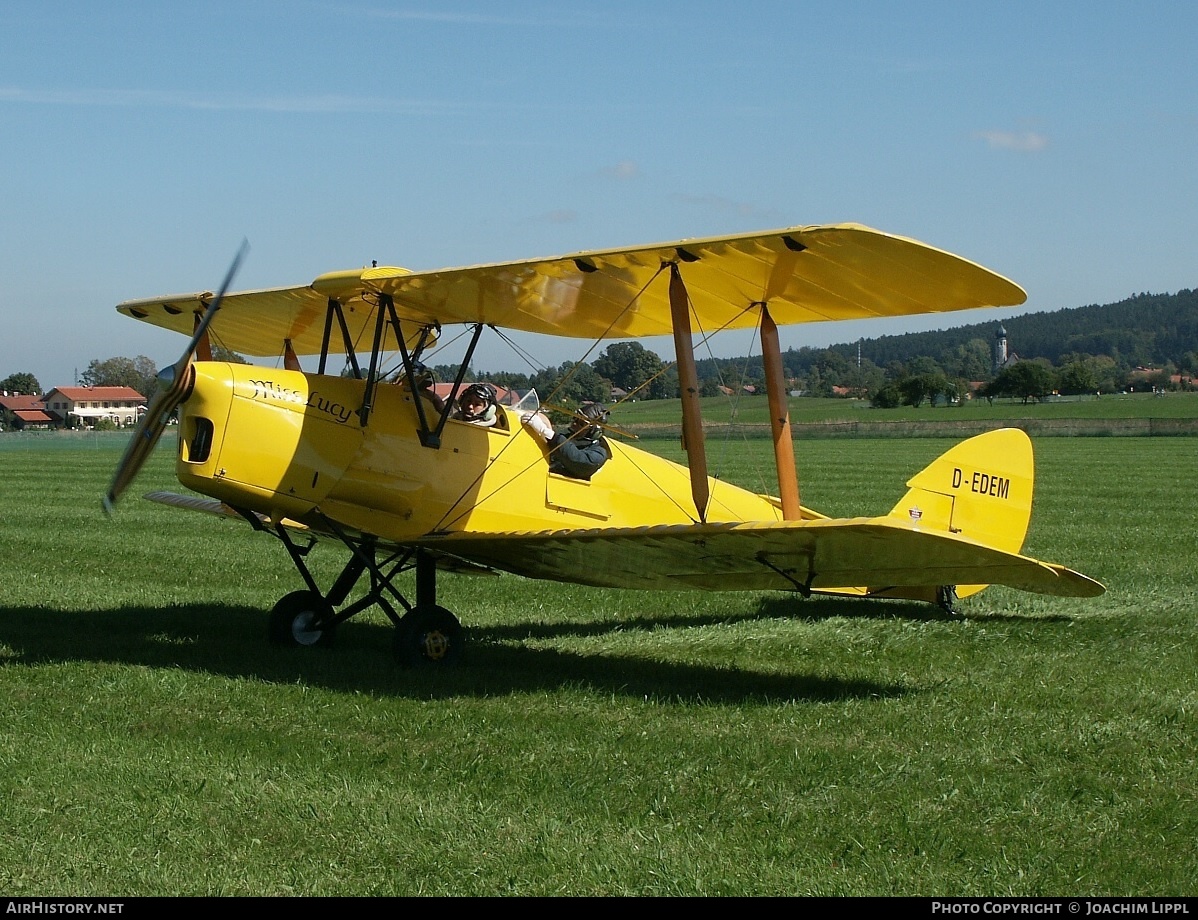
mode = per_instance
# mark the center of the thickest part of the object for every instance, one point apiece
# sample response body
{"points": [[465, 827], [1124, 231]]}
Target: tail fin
{"points": [[980, 489]]}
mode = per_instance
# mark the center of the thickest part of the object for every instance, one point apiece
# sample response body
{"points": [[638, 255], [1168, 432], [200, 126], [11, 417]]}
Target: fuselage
{"points": [[289, 444]]}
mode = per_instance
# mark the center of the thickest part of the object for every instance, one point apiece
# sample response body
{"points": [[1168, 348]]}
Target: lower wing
{"points": [[866, 556], [855, 556]]}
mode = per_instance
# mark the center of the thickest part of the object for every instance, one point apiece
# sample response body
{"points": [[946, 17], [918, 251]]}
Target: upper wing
{"points": [[869, 554], [805, 274]]}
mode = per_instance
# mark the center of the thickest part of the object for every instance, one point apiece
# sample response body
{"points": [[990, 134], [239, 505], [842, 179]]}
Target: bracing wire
{"points": [[445, 519]]}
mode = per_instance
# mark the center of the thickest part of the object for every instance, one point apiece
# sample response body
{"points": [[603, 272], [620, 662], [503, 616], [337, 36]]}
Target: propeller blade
{"points": [[174, 385], [606, 426], [206, 319]]}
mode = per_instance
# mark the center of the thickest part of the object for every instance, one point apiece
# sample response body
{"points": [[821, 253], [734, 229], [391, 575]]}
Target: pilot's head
{"points": [[588, 421], [477, 400]]}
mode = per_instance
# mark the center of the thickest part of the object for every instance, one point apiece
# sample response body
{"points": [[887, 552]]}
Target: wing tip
{"points": [[1081, 585]]}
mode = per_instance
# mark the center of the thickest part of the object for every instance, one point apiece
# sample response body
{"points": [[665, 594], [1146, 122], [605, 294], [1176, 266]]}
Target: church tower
{"points": [[1000, 349]]}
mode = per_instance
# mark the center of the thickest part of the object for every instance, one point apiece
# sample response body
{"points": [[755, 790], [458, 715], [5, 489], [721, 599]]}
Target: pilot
{"points": [[479, 405], [581, 451]]}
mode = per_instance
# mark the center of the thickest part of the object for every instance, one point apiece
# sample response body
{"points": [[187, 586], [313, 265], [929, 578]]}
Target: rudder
{"points": [[980, 489]]}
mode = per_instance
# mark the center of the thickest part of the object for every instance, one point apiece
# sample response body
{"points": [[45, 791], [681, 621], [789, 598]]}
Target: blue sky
{"points": [[140, 142]]}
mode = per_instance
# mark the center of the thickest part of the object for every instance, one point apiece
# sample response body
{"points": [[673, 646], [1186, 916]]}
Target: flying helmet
{"points": [[482, 391], [588, 420]]}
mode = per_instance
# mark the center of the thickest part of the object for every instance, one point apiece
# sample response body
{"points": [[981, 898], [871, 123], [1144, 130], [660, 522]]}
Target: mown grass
{"points": [[601, 742]]}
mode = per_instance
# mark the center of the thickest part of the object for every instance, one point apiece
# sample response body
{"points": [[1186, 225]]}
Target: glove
{"points": [[538, 424]]}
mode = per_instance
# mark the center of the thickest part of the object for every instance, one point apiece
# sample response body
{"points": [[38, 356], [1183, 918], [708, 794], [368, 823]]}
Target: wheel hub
{"points": [[302, 630], [435, 645]]}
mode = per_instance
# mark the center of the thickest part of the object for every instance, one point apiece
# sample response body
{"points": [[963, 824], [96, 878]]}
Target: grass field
{"points": [[601, 742]]}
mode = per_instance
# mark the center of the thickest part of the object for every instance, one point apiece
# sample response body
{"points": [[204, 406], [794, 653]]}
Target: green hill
{"points": [[1143, 330]]}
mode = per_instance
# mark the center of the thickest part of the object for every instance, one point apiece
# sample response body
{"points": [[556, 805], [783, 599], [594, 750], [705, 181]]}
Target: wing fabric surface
{"points": [[870, 553], [805, 274]]}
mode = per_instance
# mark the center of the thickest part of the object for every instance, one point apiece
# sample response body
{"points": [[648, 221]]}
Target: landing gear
{"points": [[425, 634], [428, 636], [302, 618]]}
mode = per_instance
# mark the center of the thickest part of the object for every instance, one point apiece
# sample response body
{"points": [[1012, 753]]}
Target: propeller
{"points": [[606, 426], [174, 383]]}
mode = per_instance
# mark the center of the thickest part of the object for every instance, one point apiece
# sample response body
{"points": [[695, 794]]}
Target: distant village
{"points": [[72, 407]]}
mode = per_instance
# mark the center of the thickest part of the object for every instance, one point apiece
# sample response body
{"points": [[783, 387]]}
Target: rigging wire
{"points": [[440, 346], [444, 521], [705, 341], [734, 428], [628, 306]]}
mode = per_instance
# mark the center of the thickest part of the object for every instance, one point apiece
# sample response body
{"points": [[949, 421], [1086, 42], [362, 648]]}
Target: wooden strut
{"points": [[688, 385], [203, 349], [291, 360], [775, 388]]}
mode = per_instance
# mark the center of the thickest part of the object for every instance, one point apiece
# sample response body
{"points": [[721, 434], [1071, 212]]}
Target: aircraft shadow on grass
{"points": [[229, 640], [816, 609]]}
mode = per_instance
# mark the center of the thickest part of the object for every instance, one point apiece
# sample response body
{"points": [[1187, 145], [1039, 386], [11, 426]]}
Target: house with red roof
{"points": [[19, 412], [82, 407]]}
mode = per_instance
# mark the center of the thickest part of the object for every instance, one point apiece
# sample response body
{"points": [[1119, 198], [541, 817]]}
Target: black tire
{"points": [[429, 637], [292, 618]]}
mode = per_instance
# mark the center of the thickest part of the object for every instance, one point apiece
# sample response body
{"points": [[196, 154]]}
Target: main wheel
{"points": [[429, 636], [293, 619]]}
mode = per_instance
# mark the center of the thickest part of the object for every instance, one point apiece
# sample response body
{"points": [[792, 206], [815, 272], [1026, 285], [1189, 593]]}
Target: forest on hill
{"points": [[1145, 341], [1145, 330]]}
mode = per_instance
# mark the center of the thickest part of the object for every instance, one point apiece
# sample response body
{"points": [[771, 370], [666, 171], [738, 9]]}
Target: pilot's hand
{"points": [[422, 375], [538, 424]]}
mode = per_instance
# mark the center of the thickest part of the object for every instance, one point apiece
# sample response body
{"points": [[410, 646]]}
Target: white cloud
{"points": [[720, 205], [564, 17], [625, 169], [1023, 141]]}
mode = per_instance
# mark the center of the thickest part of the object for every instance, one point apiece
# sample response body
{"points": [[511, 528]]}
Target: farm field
{"points": [[601, 742]]}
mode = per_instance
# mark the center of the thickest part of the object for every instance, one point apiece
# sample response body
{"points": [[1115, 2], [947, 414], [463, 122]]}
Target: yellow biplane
{"points": [[364, 458]]}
